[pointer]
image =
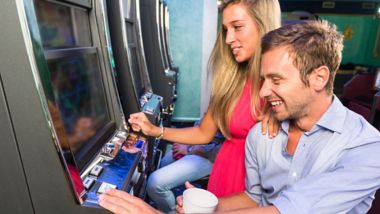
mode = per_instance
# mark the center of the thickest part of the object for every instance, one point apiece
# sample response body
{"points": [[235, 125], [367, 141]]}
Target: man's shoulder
{"points": [[357, 125], [255, 136], [255, 131]]}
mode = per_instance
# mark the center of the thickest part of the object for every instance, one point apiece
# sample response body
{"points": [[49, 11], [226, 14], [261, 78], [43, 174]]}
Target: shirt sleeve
{"points": [[349, 185], [252, 179]]}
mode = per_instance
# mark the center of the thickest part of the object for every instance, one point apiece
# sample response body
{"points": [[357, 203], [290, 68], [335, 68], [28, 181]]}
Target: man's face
{"points": [[282, 88]]}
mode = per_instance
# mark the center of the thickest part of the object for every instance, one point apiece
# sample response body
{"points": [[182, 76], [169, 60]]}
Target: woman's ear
{"points": [[319, 78]]}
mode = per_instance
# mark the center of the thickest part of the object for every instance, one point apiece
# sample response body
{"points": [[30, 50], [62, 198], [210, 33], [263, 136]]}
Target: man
{"points": [[324, 159]]}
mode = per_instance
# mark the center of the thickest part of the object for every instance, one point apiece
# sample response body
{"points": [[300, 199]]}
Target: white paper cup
{"points": [[197, 200]]}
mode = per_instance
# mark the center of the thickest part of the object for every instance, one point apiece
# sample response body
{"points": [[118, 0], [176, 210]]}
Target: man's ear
{"points": [[319, 78]]}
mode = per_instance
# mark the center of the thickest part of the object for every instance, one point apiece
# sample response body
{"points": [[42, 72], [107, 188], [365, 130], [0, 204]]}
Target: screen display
{"points": [[62, 26], [79, 95]]}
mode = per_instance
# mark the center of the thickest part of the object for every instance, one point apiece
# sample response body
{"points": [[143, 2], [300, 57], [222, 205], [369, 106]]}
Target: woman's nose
{"points": [[230, 37]]}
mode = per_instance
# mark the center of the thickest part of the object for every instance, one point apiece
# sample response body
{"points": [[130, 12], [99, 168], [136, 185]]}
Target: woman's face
{"points": [[242, 34]]}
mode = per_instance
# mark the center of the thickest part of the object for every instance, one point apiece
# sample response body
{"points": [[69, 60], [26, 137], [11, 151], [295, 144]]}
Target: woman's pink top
{"points": [[228, 172]]}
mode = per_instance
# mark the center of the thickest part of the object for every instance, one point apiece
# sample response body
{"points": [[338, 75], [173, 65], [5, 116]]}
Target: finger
{"points": [[276, 127], [121, 194], [175, 153], [136, 128], [260, 117], [179, 200], [136, 115], [114, 203], [114, 208], [264, 126], [179, 209], [188, 185], [272, 124], [265, 122]]}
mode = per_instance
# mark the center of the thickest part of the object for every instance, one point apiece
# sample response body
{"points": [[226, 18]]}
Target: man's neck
{"points": [[306, 123], [317, 108]]}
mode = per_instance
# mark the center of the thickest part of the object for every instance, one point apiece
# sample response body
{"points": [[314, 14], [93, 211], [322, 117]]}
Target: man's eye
{"points": [[276, 81]]}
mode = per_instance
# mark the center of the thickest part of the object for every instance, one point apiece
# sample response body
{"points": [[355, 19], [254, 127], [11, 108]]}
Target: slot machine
{"points": [[62, 123], [163, 77], [132, 78]]}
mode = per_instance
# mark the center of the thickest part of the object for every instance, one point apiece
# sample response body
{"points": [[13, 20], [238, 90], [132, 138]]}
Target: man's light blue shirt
{"points": [[335, 168]]}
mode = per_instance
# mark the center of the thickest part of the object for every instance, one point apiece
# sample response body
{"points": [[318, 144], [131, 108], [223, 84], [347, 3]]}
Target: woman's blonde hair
{"points": [[229, 76]]}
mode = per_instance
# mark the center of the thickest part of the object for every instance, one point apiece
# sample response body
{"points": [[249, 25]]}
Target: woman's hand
{"points": [[179, 199], [269, 122], [121, 202], [140, 122]]}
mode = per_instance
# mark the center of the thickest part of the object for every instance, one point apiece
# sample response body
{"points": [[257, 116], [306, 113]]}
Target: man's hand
{"points": [[179, 199], [121, 202]]}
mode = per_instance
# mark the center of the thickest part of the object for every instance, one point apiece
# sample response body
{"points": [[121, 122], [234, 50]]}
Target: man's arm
{"points": [[236, 201], [348, 185], [253, 210]]}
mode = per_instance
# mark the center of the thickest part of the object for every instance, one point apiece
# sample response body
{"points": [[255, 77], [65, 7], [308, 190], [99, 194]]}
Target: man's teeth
{"points": [[275, 103]]}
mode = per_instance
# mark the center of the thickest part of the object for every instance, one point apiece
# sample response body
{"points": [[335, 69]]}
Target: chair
{"points": [[375, 111], [358, 94], [375, 208]]}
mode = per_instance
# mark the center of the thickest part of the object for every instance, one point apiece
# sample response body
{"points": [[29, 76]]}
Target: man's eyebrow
{"points": [[272, 75]]}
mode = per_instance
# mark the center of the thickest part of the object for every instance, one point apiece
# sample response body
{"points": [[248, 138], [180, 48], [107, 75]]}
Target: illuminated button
{"points": [[96, 170], [88, 182], [105, 186], [139, 144]]}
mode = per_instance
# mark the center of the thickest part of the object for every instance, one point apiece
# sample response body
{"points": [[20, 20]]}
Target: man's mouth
{"points": [[275, 105]]}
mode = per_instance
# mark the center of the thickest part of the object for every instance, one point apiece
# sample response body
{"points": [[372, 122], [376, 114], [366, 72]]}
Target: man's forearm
{"points": [[237, 201], [253, 210]]}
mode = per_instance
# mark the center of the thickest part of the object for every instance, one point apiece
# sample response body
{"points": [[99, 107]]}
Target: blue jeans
{"points": [[172, 174]]}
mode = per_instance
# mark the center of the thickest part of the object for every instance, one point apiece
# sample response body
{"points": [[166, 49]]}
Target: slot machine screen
{"points": [[73, 79], [79, 95]]}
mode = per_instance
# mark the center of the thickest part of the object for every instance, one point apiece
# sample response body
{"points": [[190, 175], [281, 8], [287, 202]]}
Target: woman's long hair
{"points": [[229, 76]]}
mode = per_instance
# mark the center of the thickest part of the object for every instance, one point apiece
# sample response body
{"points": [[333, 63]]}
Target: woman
{"points": [[235, 104]]}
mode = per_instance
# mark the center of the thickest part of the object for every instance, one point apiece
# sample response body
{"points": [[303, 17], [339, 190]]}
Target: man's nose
{"points": [[265, 90]]}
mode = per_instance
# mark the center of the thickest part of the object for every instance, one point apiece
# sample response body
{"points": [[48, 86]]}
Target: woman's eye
{"points": [[238, 27]]}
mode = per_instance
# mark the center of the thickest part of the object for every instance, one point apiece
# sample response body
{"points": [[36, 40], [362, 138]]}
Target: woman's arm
{"points": [[202, 134]]}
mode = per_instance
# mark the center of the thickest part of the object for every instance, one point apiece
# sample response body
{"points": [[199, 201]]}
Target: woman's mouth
{"points": [[235, 51]]}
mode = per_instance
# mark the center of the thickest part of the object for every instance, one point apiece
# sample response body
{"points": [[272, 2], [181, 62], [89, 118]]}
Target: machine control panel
{"points": [[114, 166], [151, 105]]}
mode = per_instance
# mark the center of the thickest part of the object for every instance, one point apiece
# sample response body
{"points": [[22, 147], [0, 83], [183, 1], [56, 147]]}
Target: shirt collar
{"points": [[332, 119]]}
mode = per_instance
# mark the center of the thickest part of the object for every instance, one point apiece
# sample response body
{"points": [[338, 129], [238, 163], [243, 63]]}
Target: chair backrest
{"points": [[361, 85], [375, 208]]}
